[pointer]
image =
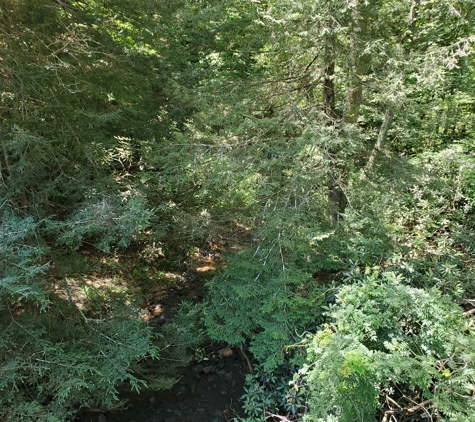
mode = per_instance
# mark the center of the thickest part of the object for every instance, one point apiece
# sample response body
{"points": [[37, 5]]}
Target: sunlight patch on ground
{"points": [[79, 290]]}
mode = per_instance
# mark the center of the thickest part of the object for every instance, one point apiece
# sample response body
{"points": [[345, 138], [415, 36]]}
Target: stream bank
{"points": [[208, 390]]}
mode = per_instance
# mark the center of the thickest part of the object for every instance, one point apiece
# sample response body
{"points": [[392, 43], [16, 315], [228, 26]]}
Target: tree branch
{"points": [[246, 359], [64, 5], [281, 418], [468, 313], [383, 132]]}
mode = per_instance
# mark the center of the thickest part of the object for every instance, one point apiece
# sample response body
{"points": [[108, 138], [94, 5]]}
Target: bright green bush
{"points": [[391, 350]]}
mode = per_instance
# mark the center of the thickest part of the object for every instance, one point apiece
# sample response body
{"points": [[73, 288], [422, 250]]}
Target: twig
{"points": [[281, 418], [246, 359], [468, 313], [393, 402], [389, 413], [388, 117], [419, 406]]}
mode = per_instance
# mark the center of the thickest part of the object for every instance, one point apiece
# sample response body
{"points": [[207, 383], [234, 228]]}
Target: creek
{"points": [[206, 392], [209, 390]]}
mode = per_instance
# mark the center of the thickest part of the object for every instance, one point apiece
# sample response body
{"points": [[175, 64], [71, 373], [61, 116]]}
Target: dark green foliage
{"points": [[85, 101], [426, 208], [264, 298], [333, 187], [177, 345], [55, 356], [322, 140], [104, 221], [58, 361], [84, 104], [21, 262], [268, 392]]}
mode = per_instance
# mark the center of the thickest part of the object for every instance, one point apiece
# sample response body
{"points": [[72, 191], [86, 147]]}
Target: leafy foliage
{"points": [[392, 349], [264, 299], [332, 138], [105, 220], [54, 363], [21, 262], [267, 392], [178, 342]]}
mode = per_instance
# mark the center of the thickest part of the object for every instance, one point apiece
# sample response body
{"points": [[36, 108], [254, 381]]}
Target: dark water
{"points": [[206, 392]]}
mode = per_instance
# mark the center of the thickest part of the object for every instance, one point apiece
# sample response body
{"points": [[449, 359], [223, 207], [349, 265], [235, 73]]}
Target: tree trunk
{"points": [[358, 62], [329, 92], [336, 196]]}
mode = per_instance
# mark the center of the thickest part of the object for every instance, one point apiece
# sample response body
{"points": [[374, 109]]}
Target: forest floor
{"points": [[208, 389]]}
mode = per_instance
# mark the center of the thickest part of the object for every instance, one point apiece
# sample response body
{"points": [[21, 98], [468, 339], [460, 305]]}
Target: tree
{"points": [[320, 130], [79, 96], [86, 100], [306, 125]]}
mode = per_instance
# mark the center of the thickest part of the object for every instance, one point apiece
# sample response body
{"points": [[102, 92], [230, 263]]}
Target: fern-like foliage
{"points": [[54, 357], [104, 220], [391, 350], [265, 299]]}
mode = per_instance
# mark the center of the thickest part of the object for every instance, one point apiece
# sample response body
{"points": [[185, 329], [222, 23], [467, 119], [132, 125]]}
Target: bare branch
{"points": [[65, 6], [281, 418], [468, 313], [388, 118], [419, 406], [251, 370]]}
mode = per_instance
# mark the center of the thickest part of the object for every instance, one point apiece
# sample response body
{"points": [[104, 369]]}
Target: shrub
{"points": [[392, 349]]}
